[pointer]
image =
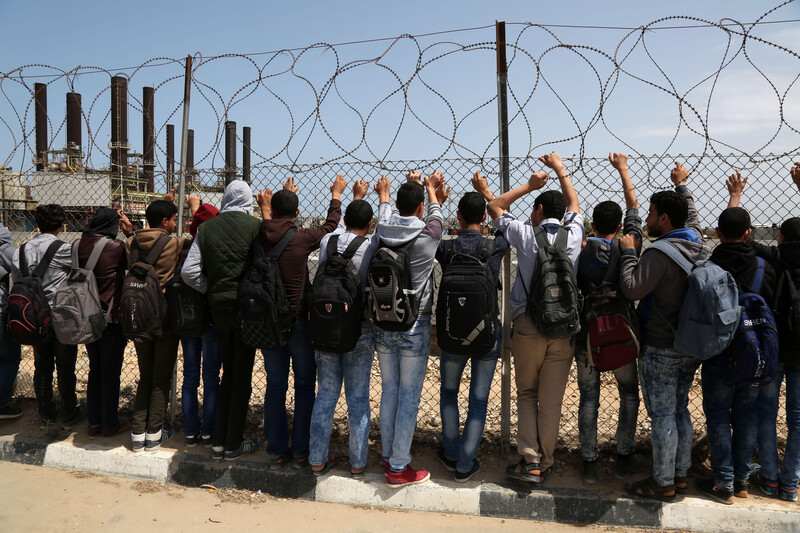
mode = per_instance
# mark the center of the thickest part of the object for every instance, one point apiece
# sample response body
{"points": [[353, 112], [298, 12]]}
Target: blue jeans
{"points": [[666, 377], [589, 385], [355, 368], [464, 447], [10, 356], [403, 359], [727, 409], [300, 354], [195, 350], [789, 474]]}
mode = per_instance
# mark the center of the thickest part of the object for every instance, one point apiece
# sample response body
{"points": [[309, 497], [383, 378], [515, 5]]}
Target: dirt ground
{"points": [[49, 500]]}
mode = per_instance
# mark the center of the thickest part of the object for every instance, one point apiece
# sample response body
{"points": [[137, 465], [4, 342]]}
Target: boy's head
{"points": [[471, 209], [358, 215], [668, 210], [733, 225], [162, 214], [284, 204], [49, 217], [790, 230], [606, 218], [549, 204], [410, 196]]}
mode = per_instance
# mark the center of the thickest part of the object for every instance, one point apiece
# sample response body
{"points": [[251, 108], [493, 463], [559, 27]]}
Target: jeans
{"points": [[403, 359], [666, 377], [726, 409], [10, 357], [768, 399], [589, 385], [196, 349], [63, 358], [156, 364], [458, 446], [300, 354], [105, 364], [355, 368]]}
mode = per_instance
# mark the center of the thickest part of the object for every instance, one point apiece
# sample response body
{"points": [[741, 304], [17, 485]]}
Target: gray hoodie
{"points": [[7, 250], [399, 230]]}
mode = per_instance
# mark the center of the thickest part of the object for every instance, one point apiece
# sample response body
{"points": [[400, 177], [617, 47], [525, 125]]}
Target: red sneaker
{"points": [[409, 476]]}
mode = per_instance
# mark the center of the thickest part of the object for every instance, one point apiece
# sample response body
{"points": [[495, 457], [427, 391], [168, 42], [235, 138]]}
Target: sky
{"points": [[448, 109]]}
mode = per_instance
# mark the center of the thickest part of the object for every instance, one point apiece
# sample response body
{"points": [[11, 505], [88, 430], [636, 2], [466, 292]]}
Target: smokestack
{"points": [[148, 135], [230, 151], [40, 114], [246, 154], [74, 133], [119, 126], [170, 157]]}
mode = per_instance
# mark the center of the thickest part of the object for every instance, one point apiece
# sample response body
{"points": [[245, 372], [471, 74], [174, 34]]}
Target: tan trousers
{"points": [[541, 368]]}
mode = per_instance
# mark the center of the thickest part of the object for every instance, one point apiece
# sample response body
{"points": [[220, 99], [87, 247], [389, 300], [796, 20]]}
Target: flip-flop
{"points": [[648, 488], [280, 462], [357, 473], [333, 460]]}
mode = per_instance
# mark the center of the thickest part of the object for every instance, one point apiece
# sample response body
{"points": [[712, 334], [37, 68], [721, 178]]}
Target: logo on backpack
{"points": [[143, 307]]}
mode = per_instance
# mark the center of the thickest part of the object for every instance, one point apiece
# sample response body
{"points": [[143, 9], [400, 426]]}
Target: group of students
{"points": [[571, 295]]}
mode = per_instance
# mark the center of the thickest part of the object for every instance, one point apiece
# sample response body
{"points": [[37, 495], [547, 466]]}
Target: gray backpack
{"points": [[77, 313]]}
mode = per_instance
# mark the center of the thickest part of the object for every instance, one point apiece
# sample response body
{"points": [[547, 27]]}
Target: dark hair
{"points": [[606, 217], [554, 203], [790, 229], [49, 217], [734, 222], [158, 210], [284, 204], [358, 214], [472, 207], [409, 196], [673, 205]]}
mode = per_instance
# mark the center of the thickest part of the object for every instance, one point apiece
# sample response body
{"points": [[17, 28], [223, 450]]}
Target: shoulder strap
{"points": [[278, 249], [673, 253], [41, 268], [616, 253], [540, 234], [561, 238], [155, 251], [485, 249], [333, 246], [23, 263], [759, 277], [449, 250], [353, 247], [93, 257]]}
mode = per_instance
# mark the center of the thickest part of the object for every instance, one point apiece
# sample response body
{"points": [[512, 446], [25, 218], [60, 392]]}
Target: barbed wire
{"points": [[413, 67]]}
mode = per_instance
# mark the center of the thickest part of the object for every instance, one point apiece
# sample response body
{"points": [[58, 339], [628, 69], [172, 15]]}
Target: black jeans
{"points": [[156, 364], [60, 357], [233, 397], [105, 365]]}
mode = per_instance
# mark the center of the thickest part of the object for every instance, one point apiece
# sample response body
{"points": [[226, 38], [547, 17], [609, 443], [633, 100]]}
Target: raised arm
{"points": [[795, 173], [735, 185], [553, 161], [264, 200], [431, 183], [481, 186], [500, 204], [680, 177], [620, 162]]}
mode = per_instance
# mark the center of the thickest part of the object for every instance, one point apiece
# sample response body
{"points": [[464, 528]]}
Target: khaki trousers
{"points": [[541, 368]]}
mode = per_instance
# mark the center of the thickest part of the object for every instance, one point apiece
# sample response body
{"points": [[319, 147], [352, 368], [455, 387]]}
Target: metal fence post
{"points": [[502, 125]]}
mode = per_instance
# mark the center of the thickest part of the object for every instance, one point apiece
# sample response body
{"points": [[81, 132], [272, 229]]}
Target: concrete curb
{"points": [[567, 505]]}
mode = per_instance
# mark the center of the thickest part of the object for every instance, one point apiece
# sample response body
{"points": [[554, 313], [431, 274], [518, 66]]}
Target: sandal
{"points": [[333, 460], [299, 463], [681, 484], [648, 488], [279, 462], [529, 472], [357, 473]]}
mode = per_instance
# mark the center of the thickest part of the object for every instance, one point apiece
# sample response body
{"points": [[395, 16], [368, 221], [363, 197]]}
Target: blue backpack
{"points": [[709, 314], [752, 358]]}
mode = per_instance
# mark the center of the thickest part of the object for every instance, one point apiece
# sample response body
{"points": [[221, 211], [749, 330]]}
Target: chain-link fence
{"points": [[770, 197]]}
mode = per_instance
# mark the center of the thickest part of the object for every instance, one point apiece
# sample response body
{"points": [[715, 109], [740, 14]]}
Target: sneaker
{"points": [[8, 412], [628, 464], [709, 488], [447, 463], [137, 442], [787, 494], [192, 440], [589, 471], [153, 441], [409, 476], [206, 439], [767, 487], [463, 477], [247, 446], [218, 453], [68, 421], [94, 432], [740, 488]]}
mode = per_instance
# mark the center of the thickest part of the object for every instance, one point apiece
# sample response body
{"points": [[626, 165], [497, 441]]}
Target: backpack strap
{"points": [[616, 254], [449, 250], [333, 246], [94, 257], [23, 263], [278, 249], [561, 238], [352, 248], [41, 268], [671, 251], [155, 251], [540, 235], [755, 286], [485, 249]]}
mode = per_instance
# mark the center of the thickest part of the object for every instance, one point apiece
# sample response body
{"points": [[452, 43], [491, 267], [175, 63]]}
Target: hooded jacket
{"points": [[167, 262], [739, 258], [7, 250], [56, 271]]}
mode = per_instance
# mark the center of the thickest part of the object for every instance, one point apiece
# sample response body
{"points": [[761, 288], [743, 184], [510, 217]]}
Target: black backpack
{"points": [[142, 306], [267, 318], [336, 305], [554, 302], [28, 312], [393, 302], [467, 310], [188, 308], [787, 315]]}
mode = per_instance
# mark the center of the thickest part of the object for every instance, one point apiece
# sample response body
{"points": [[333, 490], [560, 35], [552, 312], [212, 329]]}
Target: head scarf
{"points": [[104, 222]]}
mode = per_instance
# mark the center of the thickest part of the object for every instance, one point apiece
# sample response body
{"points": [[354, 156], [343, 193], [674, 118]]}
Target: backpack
{"points": [[188, 308], [710, 311], [336, 305], [28, 312], [787, 316], [612, 337], [78, 316], [267, 318], [752, 357], [393, 302], [467, 311], [142, 307], [554, 302]]}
